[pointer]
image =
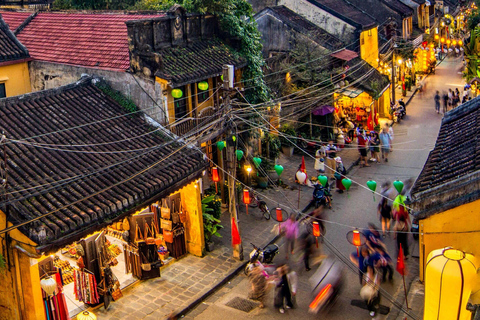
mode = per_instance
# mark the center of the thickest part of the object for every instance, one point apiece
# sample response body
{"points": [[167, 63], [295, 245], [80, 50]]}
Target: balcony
{"points": [[186, 125]]}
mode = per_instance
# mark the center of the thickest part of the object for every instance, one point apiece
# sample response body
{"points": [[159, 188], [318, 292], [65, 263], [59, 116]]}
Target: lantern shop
{"points": [[77, 242]]}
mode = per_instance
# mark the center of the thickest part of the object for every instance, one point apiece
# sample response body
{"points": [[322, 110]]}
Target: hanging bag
{"points": [[165, 211], [168, 236], [138, 235], [126, 224], [146, 266], [149, 239], [182, 214], [166, 224]]}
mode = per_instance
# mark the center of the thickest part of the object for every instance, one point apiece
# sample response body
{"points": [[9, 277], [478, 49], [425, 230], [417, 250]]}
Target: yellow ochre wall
{"points": [[192, 203], [16, 79], [369, 46], [458, 228], [20, 292]]}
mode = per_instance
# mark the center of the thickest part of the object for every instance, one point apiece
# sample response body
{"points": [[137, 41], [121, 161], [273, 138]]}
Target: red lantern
{"points": [[215, 177], [246, 198], [279, 214], [316, 231], [356, 238]]}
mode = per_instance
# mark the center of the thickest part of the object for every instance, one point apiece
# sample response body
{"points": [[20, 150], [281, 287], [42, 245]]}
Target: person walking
{"points": [[307, 246], [385, 213], [401, 235], [445, 103], [456, 99], [450, 97], [283, 295], [339, 174], [331, 151], [386, 143], [362, 146], [437, 101], [375, 146], [290, 229], [258, 283]]}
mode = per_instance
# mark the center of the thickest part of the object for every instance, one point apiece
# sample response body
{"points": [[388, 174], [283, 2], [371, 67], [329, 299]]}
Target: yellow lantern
{"points": [[454, 42], [399, 61], [437, 37], [86, 315], [177, 93], [460, 42], [442, 40], [203, 85], [448, 42], [449, 278]]}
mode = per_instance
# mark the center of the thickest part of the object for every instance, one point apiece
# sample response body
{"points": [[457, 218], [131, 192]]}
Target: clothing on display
{"points": [[55, 305], [85, 287]]}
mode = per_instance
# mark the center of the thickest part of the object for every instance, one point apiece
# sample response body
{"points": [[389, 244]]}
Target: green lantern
{"points": [[278, 169], [221, 145], [323, 180], [347, 183], [239, 154], [203, 85], [398, 185], [177, 93], [372, 185], [257, 161], [221, 77], [234, 138]]}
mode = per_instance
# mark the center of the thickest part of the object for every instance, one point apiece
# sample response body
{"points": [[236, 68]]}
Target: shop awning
{"points": [[345, 54], [350, 92], [323, 110]]}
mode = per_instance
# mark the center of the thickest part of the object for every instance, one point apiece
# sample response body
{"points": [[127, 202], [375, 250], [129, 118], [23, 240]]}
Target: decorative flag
{"points": [[235, 235], [400, 262]]}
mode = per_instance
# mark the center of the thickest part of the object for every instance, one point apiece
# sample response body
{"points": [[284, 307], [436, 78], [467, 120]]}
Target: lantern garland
{"points": [[323, 180], [372, 185]]}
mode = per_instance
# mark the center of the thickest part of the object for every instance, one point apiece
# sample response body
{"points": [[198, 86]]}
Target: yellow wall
{"points": [[445, 230], [383, 104], [16, 79], [369, 46], [191, 201]]}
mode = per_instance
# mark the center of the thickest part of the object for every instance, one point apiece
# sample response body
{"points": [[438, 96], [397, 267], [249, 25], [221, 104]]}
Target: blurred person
{"points": [[290, 230], [437, 102], [331, 151], [258, 283], [450, 97], [385, 213], [308, 241], [384, 264], [340, 173], [375, 146], [362, 146], [401, 235], [445, 102], [386, 143], [373, 237], [361, 261], [283, 293]]}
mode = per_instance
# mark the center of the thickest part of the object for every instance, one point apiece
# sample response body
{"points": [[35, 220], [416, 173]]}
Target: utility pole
{"points": [[228, 85]]}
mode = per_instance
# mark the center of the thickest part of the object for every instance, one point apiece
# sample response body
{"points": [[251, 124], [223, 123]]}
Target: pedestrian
{"points": [[437, 101], [386, 143], [307, 245], [258, 283], [331, 151], [290, 229], [384, 264], [283, 295], [457, 97], [373, 237], [450, 97], [340, 173], [362, 146], [375, 146], [401, 235], [360, 259], [320, 159], [445, 102], [385, 213]]}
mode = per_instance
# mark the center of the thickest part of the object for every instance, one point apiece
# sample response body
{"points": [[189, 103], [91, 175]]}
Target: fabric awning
{"points": [[351, 92], [344, 54]]}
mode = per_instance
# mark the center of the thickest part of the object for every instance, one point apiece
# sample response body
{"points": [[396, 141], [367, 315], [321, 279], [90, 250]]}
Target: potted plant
{"points": [[287, 137], [211, 224]]}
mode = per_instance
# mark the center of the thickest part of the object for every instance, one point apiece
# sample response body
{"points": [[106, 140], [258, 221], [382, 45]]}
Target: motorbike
{"points": [[321, 197], [326, 284], [259, 256], [398, 113]]}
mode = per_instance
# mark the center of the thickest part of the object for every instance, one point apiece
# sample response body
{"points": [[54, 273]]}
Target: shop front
{"points": [[356, 106]]}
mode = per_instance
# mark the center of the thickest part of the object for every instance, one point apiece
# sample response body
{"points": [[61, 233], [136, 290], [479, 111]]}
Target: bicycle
{"points": [[262, 205]]}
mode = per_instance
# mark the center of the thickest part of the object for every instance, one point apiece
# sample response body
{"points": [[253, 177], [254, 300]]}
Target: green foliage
{"points": [[404, 49], [62, 5], [215, 204], [288, 135], [210, 223], [125, 102], [271, 146]]}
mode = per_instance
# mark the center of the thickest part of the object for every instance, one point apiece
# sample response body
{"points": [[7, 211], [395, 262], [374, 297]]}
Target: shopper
{"points": [[385, 214], [320, 155], [375, 146], [362, 146], [445, 102], [339, 174], [437, 101], [258, 283], [283, 295], [401, 235], [331, 151], [386, 143], [290, 229]]}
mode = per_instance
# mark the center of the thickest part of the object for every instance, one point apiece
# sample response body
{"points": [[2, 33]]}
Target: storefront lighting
{"points": [[86, 315], [442, 40], [437, 37], [448, 42], [454, 42], [399, 61], [248, 168], [443, 24], [460, 42]]}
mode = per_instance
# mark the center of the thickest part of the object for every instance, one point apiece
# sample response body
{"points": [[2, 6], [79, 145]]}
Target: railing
{"points": [[187, 125]]}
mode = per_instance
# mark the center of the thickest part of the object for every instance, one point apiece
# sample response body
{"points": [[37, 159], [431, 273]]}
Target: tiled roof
{"points": [[89, 40], [343, 9], [345, 55], [10, 48], [14, 19], [197, 61], [48, 178], [399, 7], [300, 24], [457, 150], [373, 84]]}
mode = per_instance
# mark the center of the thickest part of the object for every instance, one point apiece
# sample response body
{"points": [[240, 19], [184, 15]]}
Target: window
{"points": [[202, 95], [3, 93], [181, 104]]}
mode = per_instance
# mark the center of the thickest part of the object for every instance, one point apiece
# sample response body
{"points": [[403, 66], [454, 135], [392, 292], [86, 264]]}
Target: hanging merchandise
{"points": [[323, 180], [177, 93], [85, 288], [398, 185], [372, 185]]}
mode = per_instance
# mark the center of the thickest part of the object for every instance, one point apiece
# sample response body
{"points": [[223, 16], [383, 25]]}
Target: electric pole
{"points": [[231, 168]]}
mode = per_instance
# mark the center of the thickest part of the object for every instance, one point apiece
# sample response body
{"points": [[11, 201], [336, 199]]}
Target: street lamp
{"points": [[248, 168]]}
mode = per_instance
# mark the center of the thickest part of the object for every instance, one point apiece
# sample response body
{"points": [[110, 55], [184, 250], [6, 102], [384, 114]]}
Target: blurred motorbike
{"points": [[326, 284], [321, 197], [264, 255]]}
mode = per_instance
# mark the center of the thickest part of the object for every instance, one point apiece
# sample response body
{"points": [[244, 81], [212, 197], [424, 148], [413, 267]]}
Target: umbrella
{"points": [[323, 110]]}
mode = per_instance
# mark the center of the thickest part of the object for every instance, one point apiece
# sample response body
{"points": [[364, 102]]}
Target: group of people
{"points": [[377, 143], [451, 99]]}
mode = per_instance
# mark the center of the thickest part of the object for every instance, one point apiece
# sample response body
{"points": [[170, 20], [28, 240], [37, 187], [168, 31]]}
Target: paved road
{"points": [[414, 138]]}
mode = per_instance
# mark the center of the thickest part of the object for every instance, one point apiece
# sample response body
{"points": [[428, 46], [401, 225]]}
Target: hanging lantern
{"points": [[356, 241], [301, 177], [445, 270], [221, 145], [279, 213], [460, 42], [257, 161], [323, 180], [347, 183], [86, 315], [246, 198], [316, 231], [372, 185], [215, 177], [398, 185], [239, 154], [48, 285], [203, 85], [278, 169], [177, 93]]}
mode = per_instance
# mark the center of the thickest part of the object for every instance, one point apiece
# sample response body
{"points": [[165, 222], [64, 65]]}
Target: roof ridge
{"points": [[461, 110], [9, 33], [361, 10], [25, 23]]}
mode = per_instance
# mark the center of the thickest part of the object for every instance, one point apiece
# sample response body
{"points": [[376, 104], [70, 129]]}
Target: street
{"points": [[414, 137]]}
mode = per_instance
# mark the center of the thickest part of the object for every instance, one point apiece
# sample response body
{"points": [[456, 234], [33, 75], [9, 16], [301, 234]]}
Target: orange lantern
{"points": [[460, 42], [316, 231], [454, 42], [356, 238], [246, 198], [279, 213], [437, 37], [215, 177], [448, 42], [442, 40]]}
